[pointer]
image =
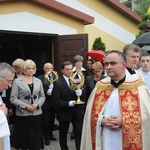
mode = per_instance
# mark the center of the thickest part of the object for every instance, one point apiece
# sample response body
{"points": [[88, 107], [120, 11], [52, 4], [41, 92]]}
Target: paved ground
{"points": [[54, 145]]}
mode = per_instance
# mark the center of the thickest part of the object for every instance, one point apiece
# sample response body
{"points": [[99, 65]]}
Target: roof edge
{"points": [[66, 10], [125, 10]]}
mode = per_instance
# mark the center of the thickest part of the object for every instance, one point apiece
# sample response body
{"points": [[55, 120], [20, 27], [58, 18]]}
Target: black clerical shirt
{"points": [[131, 71], [116, 84]]}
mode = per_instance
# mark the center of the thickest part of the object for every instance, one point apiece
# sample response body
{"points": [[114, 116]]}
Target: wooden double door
{"points": [[42, 48]]}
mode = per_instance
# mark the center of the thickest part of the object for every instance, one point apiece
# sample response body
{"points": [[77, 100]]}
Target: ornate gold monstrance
{"points": [[77, 84], [49, 78]]}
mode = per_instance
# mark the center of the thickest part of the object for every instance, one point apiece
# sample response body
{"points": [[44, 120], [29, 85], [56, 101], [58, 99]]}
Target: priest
{"points": [[4, 129], [117, 114]]}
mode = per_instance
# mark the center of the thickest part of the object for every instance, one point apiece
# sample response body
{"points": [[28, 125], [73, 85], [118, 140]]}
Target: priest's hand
{"points": [[118, 120], [112, 122]]}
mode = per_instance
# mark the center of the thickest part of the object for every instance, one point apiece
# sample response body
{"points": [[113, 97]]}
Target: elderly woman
{"points": [[97, 68], [28, 96], [17, 64]]}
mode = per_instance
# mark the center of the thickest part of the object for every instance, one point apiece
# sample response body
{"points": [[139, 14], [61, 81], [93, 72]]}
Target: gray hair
{"points": [[45, 65], [130, 47], [120, 54], [77, 58], [4, 68]]}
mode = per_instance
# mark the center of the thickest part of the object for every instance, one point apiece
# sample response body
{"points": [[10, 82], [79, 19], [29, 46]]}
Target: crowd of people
{"points": [[112, 112]]}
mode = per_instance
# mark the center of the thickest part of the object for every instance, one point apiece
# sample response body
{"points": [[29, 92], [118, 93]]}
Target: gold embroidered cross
{"points": [[129, 103]]}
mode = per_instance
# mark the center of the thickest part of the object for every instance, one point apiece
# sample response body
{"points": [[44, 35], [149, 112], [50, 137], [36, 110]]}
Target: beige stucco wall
{"points": [[110, 42], [31, 7], [98, 6], [113, 15]]}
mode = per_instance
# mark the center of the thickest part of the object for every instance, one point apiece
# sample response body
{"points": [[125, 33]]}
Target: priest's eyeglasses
{"points": [[112, 63], [8, 81]]}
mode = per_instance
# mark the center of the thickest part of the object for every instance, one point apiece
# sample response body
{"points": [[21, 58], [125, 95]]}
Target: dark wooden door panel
{"points": [[69, 46]]}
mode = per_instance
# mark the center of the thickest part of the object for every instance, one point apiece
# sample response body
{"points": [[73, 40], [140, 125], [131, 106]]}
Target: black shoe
{"points": [[52, 138], [47, 142]]}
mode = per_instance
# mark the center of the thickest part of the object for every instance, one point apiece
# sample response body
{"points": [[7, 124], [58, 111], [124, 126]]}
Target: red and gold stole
{"points": [[103, 92], [130, 112]]}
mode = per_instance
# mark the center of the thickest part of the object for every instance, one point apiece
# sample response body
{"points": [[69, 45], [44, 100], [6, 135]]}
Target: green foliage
{"points": [[140, 32], [98, 44], [142, 8], [146, 17], [143, 25]]}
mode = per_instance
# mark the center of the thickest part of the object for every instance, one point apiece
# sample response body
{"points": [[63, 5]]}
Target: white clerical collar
{"points": [[74, 69]]}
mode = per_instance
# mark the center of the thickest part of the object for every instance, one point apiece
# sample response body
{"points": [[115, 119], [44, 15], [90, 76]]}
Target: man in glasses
{"points": [[7, 74], [117, 114], [17, 65]]}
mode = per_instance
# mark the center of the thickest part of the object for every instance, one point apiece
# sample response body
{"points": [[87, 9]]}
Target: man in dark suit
{"points": [[67, 111], [48, 116]]}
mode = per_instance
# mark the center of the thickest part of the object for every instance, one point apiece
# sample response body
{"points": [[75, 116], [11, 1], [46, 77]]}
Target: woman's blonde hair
{"points": [[28, 63], [18, 62], [97, 65]]}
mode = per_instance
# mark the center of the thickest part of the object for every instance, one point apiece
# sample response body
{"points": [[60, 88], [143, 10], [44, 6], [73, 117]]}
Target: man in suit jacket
{"points": [[48, 116], [67, 111]]}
